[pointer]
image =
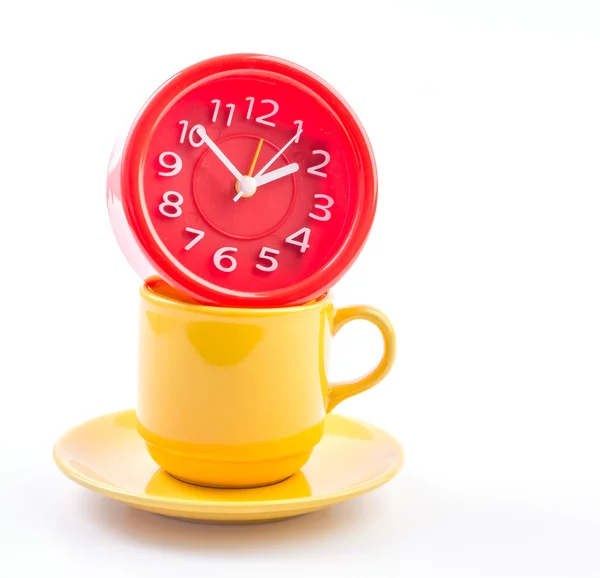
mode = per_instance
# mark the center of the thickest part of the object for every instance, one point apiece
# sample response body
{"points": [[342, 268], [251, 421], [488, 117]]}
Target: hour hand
{"points": [[276, 174], [219, 153]]}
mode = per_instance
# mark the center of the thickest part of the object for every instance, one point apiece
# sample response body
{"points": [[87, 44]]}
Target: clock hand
{"points": [[276, 174], [252, 165], [268, 177], [255, 158], [279, 153], [215, 149]]}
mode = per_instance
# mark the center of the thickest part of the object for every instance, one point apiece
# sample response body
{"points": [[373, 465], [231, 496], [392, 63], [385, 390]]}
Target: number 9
{"points": [[175, 167]]}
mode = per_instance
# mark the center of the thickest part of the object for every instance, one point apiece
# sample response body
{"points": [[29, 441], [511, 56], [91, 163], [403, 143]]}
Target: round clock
{"points": [[245, 180]]}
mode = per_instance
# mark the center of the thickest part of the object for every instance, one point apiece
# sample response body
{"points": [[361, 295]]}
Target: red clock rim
{"points": [[137, 143]]}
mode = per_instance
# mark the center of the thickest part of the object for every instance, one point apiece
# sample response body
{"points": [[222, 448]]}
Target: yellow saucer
{"points": [[108, 456]]}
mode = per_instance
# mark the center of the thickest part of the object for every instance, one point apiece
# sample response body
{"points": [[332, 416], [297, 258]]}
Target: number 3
{"points": [[325, 208]]}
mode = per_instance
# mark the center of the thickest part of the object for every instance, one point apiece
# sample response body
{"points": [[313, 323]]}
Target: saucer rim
{"points": [[223, 507]]}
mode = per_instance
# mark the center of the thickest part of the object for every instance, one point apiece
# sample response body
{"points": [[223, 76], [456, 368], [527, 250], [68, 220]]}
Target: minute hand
{"points": [[215, 149], [279, 153], [276, 174]]}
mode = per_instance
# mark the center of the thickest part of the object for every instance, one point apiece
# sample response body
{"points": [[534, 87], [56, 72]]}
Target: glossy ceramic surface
{"points": [[108, 456], [235, 397]]}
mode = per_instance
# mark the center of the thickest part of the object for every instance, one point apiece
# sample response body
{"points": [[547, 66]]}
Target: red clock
{"points": [[245, 180]]}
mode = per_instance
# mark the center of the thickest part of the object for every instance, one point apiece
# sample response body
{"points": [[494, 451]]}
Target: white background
{"points": [[485, 121]]}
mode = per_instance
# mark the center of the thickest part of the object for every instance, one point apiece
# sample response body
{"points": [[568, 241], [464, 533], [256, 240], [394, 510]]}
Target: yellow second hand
{"points": [[250, 171]]}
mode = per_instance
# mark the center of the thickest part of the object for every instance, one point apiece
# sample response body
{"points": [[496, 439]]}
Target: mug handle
{"points": [[338, 392]]}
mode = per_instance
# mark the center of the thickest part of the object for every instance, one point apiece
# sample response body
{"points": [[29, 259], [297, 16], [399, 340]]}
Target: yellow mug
{"points": [[236, 397]]}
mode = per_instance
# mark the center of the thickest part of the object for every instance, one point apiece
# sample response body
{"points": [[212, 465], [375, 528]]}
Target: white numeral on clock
{"points": [[173, 206], [325, 208], [299, 123], [262, 119], [195, 143], [223, 262], [193, 131], [215, 115], [217, 104], [184, 124], [265, 254], [249, 113], [231, 108], [199, 234], [303, 244], [314, 170], [174, 167]]}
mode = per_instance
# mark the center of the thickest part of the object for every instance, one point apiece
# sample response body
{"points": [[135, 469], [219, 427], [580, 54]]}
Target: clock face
{"points": [[246, 180]]}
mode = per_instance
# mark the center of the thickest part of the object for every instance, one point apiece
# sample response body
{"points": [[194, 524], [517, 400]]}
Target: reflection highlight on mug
{"points": [[237, 397]]}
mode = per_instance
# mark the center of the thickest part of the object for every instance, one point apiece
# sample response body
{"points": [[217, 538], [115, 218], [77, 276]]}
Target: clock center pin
{"points": [[247, 186]]}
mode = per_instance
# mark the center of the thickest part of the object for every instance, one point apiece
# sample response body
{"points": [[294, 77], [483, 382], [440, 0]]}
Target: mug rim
{"points": [[150, 294]]}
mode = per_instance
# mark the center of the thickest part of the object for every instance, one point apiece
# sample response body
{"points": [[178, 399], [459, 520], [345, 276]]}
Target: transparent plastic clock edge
{"points": [[147, 263]]}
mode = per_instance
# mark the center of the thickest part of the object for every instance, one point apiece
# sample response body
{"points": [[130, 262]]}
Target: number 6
{"points": [[220, 256]]}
